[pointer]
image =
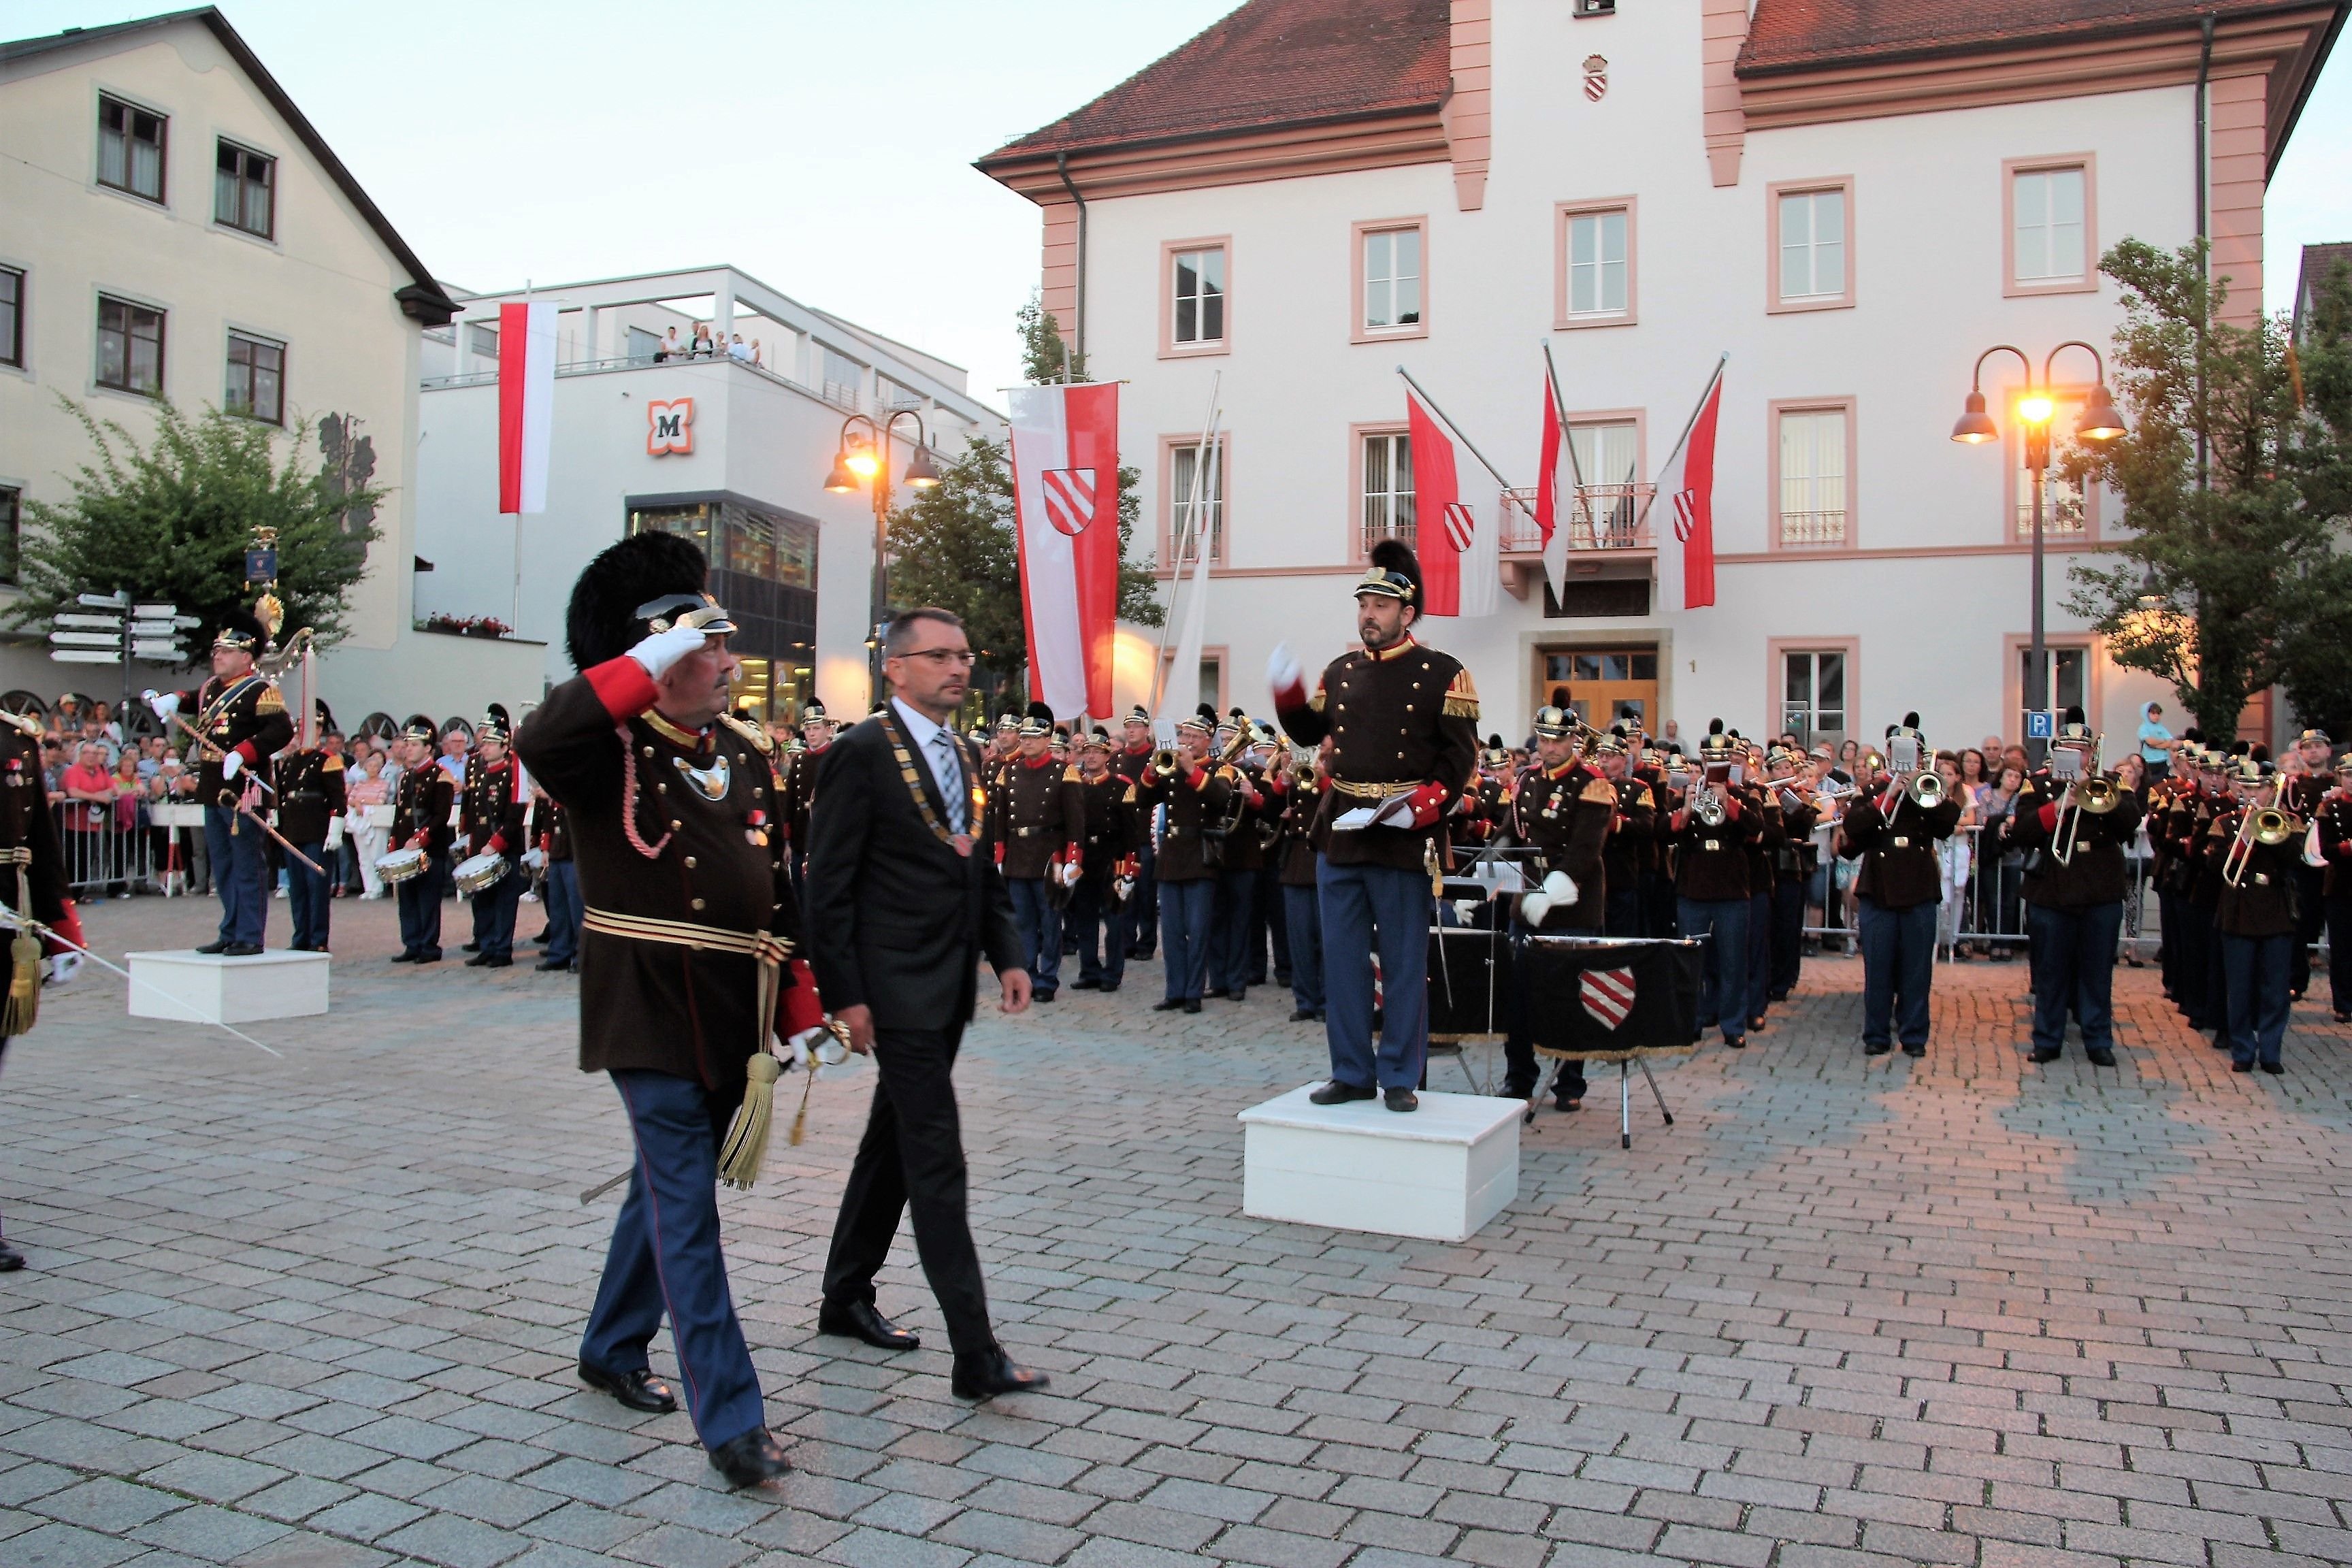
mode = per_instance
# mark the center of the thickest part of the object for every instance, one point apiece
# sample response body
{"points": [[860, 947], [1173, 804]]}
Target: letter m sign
{"points": [[669, 428]]}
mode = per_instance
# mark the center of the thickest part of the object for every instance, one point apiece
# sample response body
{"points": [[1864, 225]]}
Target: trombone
{"points": [[2095, 793], [2267, 825]]}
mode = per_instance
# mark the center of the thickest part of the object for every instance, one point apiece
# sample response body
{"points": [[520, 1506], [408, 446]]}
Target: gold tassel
{"points": [[746, 1149], [800, 1118], [24, 1004]]}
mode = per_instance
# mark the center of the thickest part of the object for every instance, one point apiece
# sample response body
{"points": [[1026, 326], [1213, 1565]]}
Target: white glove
{"points": [[1284, 673], [63, 967], [819, 1042], [230, 762], [165, 704], [334, 833], [534, 859], [459, 844], [663, 649]]}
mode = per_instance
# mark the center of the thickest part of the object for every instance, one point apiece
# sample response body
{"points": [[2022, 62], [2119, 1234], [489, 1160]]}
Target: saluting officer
{"points": [[2074, 905], [241, 721], [310, 799], [1403, 719], [1037, 819], [420, 820], [1187, 799], [1897, 891], [1561, 808], [490, 822], [2256, 918], [1105, 849], [690, 967], [1709, 833]]}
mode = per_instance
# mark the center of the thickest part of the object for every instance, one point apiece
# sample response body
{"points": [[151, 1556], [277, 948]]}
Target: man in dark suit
{"points": [[900, 910]]}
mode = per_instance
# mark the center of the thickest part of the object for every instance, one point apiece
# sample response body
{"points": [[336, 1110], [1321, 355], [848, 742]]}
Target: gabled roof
{"points": [[1799, 35], [422, 298], [1271, 63], [2318, 261]]}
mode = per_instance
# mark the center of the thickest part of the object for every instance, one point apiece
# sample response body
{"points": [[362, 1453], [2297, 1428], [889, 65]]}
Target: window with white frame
{"points": [[2070, 680], [2047, 235], [2065, 510], [1812, 695], [482, 338], [1388, 488], [1391, 279], [1813, 466], [1606, 471], [1598, 263], [844, 378], [1812, 245], [1191, 503], [1197, 297]]}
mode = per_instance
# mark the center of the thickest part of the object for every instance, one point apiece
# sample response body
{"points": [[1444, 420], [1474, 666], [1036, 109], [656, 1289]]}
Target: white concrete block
{"points": [[1438, 1173], [194, 986]]}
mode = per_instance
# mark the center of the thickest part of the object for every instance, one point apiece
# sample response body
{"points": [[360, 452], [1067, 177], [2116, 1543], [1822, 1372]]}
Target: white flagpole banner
{"points": [[526, 402], [1182, 695], [1065, 504]]}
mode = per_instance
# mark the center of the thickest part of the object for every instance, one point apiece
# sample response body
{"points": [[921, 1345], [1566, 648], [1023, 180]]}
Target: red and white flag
{"points": [[1607, 995], [1066, 502], [1461, 565], [1687, 487], [526, 402]]}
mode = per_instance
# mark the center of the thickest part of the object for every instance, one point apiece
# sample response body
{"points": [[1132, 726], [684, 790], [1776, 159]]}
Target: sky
{"points": [[823, 148]]}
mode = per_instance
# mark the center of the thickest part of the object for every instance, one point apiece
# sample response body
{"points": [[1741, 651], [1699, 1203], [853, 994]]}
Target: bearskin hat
{"points": [[600, 622]]}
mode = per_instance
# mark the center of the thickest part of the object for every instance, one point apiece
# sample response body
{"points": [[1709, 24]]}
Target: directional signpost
{"points": [[110, 629]]}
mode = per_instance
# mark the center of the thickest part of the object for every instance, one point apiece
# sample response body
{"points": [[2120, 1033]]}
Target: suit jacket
{"points": [[898, 920]]}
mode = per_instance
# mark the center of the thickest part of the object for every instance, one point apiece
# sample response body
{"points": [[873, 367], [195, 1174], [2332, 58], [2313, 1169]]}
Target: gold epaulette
{"points": [[1128, 798], [1315, 701], [331, 765], [1599, 792], [1071, 775], [269, 701], [1462, 697], [760, 740]]}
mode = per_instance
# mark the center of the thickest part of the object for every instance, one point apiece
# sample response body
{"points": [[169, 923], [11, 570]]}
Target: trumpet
{"points": [[1163, 761], [2267, 825], [1303, 775], [1707, 805]]}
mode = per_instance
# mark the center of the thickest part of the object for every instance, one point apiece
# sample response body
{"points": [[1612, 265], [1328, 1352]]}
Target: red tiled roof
{"points": [[1794, 35], [1273, 62]]}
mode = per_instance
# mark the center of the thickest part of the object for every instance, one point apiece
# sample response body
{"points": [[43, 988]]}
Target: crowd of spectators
{"points": [[704, 344]]}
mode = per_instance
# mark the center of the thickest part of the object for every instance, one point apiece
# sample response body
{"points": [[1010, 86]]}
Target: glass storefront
{"points": [[763, 569]]}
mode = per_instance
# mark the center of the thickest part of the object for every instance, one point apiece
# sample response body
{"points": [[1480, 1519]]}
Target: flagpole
{"points": [[1688, 425], [1176, 567], [1559, 404], [1450, 424]]}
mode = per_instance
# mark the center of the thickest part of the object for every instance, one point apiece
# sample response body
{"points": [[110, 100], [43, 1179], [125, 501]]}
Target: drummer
{"points": [[420, 828], [1564, 811], [490, 835]]}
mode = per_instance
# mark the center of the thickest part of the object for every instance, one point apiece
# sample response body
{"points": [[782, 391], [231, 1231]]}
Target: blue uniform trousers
{"points": [[1302, 916], [236, 848], [1362, 905], [2339, 952], [1898, 963], [1041, 932], [1274, 910], [1231, 932], [1102, 946], [307, 896], [420, 909], [1622, 914], [1184, 925], [1140, 921], [563, 912], [2073, 954], [1760, 952], [1788, 961], [494, 915], [1724, 994], [2216, 1015], [664, 1261], [2257, 970]]}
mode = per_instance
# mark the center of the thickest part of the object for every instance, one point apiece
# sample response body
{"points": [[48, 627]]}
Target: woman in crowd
{"points": [[129, 820], [1999, 885], [1954, 856], [366, 787]]}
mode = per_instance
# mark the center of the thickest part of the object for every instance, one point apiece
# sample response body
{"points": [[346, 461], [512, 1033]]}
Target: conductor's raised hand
{"points": [[1015, 983], [859, 1021]]}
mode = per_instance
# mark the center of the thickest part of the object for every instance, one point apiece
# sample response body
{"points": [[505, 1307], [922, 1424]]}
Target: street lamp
{"points": [[2100, 425], [861, 456]]}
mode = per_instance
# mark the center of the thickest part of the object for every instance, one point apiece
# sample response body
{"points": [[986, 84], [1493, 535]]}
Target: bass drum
{"points": [[478, 873], [401, 865]]}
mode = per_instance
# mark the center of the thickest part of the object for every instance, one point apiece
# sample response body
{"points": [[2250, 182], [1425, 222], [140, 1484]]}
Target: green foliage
{"points": [[1044, 354], [2254, 591], [170, 520]]}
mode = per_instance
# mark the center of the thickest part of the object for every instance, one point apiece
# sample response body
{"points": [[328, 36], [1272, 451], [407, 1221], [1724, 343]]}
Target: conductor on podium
{"points": [[241, 721], [1402, 720]]}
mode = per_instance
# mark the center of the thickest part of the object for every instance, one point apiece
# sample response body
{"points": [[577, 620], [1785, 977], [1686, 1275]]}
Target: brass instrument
{"points": [[2096, 793], [1303, 775], [1707, 806], [1163, 761], [2267, 825], [1925, 789]]}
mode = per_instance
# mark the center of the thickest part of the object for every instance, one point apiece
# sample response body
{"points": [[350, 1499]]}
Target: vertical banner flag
{"points": [[1689, 489], [1548, 469], [1065, 505], [526, 402], [1443, 525]]}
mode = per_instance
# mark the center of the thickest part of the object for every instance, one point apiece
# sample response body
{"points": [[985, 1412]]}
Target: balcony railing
{"points": [[836, 394], [1597, 518]]}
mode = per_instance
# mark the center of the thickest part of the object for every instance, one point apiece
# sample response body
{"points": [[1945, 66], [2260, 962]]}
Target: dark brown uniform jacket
{"points": [[1037, 811], [1195, 803], [2098, 872], [1404, 716], [1633, 848], [1252, 811], [2263, 901], [490, 809], [1301, 839], [1711, 863], [245, 716], [2336, 844], [800, 793], [1897, 849], [26, 824], [1567, 818], [309, 795], [658, 1006], [1109, 836], [420, 814]]}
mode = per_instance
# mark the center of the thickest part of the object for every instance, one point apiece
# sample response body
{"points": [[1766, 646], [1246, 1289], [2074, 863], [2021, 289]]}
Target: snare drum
{"points": [[401, 865], [478, 873]]}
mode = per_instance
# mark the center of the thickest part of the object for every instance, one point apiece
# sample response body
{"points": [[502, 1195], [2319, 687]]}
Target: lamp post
{"points": [[2101, 424], [864, 454]]}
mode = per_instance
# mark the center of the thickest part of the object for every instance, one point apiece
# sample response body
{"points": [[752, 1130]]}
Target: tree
{"points": [[2234, 491], [954, 545], [170, 520]]}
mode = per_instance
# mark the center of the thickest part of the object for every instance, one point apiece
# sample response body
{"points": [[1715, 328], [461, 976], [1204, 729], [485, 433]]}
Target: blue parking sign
{"points": [[2038, 726]]}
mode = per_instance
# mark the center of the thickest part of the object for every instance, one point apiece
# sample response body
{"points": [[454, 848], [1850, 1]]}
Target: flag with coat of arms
{"points": [[1064, 452]]}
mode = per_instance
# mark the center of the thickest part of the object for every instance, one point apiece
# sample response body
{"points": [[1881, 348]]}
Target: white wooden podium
{"points": [[192, 987], [1439, 1172]]}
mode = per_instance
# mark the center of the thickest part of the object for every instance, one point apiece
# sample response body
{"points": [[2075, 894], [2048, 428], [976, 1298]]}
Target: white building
{"points": [[733, 453], [170, 226], [1852, 203]]}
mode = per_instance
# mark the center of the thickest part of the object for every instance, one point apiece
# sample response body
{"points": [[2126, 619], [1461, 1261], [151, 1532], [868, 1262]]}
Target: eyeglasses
{"points": [[942, 657]]}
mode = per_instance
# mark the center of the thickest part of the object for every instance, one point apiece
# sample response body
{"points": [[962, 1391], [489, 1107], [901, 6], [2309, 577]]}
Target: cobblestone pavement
{"points": [[320, 1312]]}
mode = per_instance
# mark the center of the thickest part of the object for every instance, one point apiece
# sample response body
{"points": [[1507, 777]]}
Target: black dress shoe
{"points": [[1238, 993], [479, 961], [2101, 1057], [1191, 1005], [1041, 996], [1213, 994], [1307, 1016], [1108, 987], [430, 955], [639, 1390], [215, 949], [2344, 1017], [2274, 1068], [2045, 1054], [1755, 1025], [242, 949], [1915, 1050], [2242, 1066], [750, 1460], [860, 1320], [1082, 984], [1338, 1093], [1169, 1005], [473, 947], [11, 1259], [1876, 1047], [403, 958], [986, 1376], [545, 964], [1401, 1100]]}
